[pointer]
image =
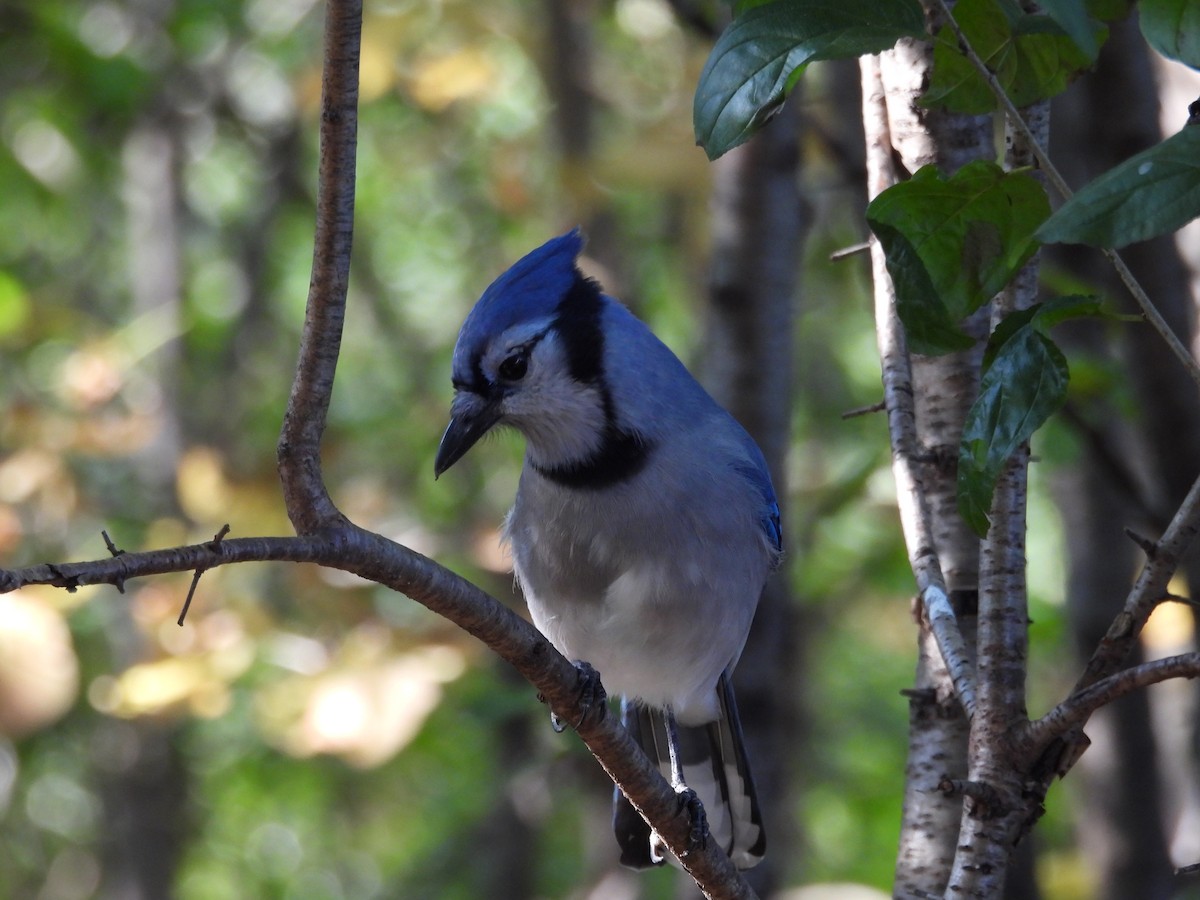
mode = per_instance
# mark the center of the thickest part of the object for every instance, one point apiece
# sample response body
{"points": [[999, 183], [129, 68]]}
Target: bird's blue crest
{"points": [[531, 288]]}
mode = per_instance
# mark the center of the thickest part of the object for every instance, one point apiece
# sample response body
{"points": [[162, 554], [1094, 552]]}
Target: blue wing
{"points": [[755, 471]]}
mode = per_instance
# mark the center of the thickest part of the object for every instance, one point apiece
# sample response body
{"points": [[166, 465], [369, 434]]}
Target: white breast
{"points": [[658, 598]]}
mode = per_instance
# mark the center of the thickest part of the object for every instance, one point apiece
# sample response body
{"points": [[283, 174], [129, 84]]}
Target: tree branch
{"points": [[1147, 592], [304, 493], [902, 429], [1074, 712]]}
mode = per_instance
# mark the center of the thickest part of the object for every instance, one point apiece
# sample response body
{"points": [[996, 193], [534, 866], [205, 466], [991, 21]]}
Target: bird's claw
{"points": [[689, 800], [590, 692]]}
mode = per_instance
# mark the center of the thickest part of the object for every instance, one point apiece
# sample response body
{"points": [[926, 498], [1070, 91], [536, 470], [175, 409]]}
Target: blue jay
{"points": [[644, 527]]}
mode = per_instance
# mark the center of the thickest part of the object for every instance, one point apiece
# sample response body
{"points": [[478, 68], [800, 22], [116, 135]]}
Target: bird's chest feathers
{"points": [[614, 551]]}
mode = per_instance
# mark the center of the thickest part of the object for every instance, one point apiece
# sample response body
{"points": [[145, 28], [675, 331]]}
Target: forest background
{"points": [[306, 734]]}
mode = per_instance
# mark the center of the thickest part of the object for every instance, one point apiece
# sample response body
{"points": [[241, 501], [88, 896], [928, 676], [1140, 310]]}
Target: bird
{"points": [[644, 528]]}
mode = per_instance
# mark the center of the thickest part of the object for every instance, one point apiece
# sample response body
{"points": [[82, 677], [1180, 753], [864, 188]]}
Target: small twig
{"points": [[852, 250], [1176, 598], [985, 796], [215, 546], [187, 603], [112, 548], [1148, 546], [1192, 869], [1147, 592], [119, 584], [865, 410]]}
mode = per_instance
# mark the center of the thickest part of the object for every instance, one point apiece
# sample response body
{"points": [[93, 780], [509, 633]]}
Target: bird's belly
{"points": [[653, 631]]}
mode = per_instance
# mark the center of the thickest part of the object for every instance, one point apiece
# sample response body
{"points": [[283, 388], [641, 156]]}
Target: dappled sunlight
{"points": [[464, 74], [365, 706], [39, 673]]}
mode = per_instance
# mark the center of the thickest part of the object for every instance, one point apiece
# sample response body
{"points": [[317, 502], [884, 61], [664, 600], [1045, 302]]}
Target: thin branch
{"points": [[852, 250], [113, 550], [187, 603], [1074, 712], [1017, 121], [1150, 589], [879, 406], [1147, 591], [902, 430], [305, 495]]}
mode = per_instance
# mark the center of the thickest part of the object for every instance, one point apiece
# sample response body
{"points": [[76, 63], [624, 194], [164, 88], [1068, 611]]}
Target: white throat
{"points": [[568, 427]]}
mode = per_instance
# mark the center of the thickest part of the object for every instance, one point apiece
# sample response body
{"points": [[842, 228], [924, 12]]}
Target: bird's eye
{"points": [[514, 367]]}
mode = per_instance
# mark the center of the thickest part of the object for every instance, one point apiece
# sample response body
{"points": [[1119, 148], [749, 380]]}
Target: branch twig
{"points": [[305, 495], [1074, 712]]}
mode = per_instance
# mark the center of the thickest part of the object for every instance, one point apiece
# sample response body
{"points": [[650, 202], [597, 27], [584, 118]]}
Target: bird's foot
{"points": [[698, 825], [591, 692], [697, 818]]}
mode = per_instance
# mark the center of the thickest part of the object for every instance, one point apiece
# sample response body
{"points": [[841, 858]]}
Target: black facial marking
{"points": [[620, 456], [622, 453], [577, 322]]}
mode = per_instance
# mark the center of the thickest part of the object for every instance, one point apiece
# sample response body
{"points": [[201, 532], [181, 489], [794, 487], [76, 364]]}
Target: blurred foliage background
{"points": [[305, 734]]}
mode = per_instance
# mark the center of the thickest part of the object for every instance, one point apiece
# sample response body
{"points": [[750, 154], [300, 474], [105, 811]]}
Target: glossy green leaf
{"points": [[1043, 317], [1155, 192], [1172, 27], [1031, 56], [951, 244], [1026, 382], [929, 326], [759, 57], [1072, 16]]}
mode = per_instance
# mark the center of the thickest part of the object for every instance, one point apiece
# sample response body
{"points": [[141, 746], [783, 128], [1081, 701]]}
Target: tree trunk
{"points": [[943, 388]]}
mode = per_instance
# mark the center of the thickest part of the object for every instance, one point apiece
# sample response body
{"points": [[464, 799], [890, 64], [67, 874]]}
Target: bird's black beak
{"points": [[471, 417]]}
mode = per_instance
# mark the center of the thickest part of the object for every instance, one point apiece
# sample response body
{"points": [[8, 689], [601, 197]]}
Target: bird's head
{"points": [[529, 355]]}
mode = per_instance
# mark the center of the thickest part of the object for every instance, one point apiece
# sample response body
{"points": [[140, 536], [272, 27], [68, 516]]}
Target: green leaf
{"points": [[760, 55], [1072, 16], [929, 327], [1172, 27], [1031, 56], [1025, 383], [1155, 192], [951, 244], [1043, 317]]}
